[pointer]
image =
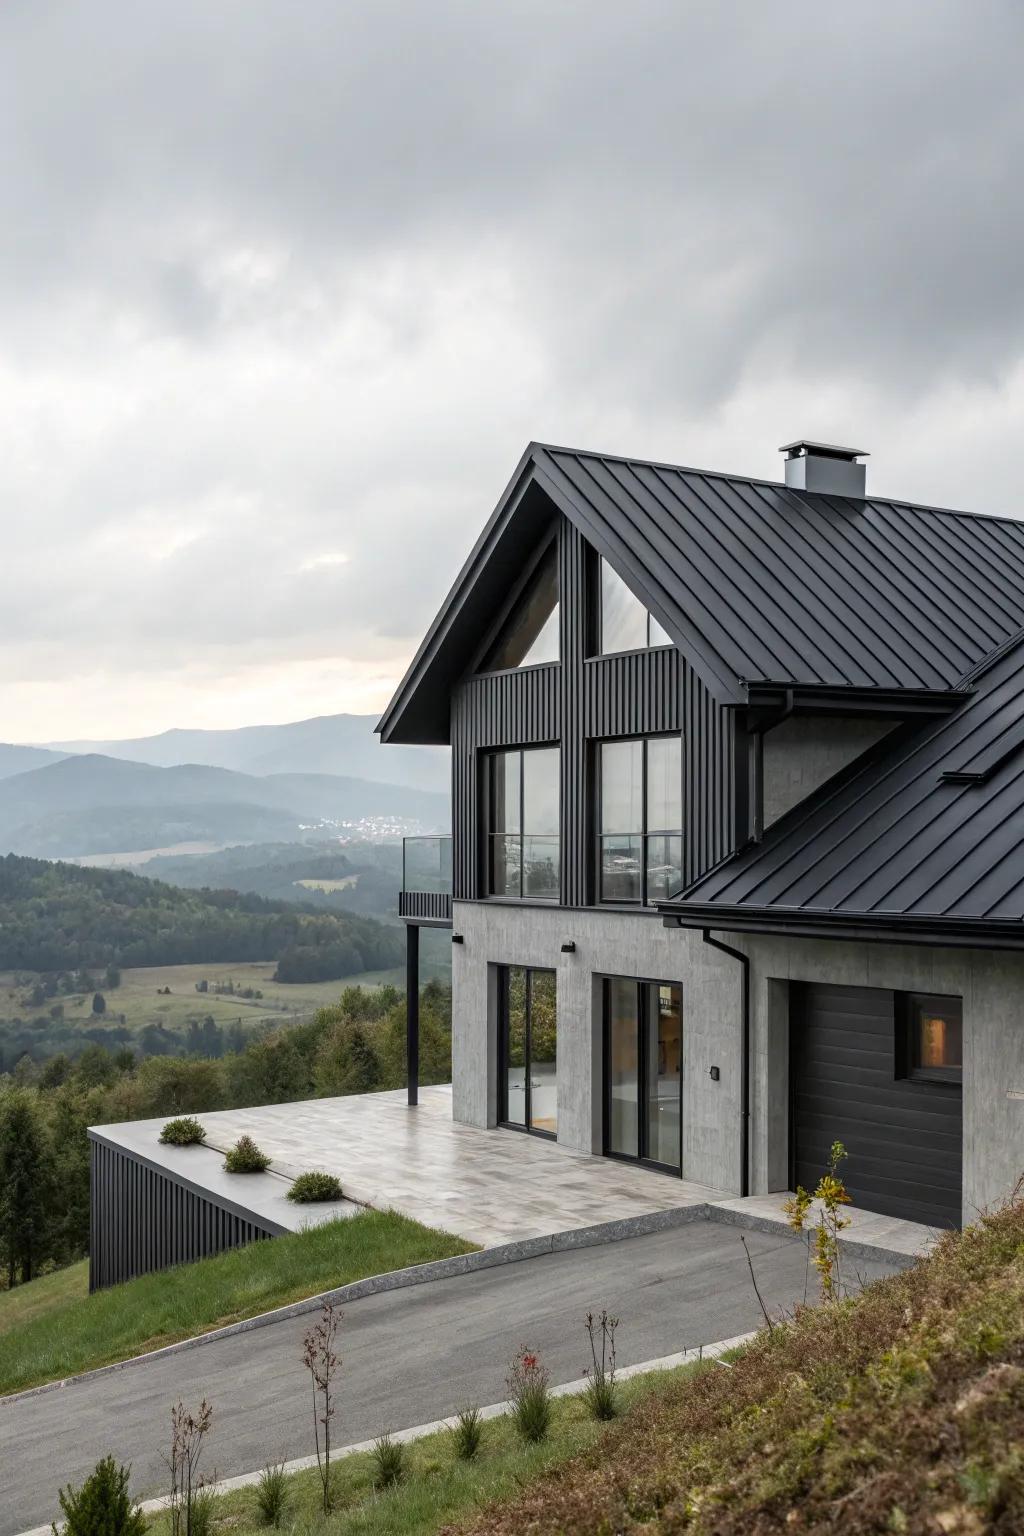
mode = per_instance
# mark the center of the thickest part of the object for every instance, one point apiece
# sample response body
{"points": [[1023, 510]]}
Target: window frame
{"points": [[649, 644], [492, 837], [644, 832], [481, 665], [908, 1013], [527, 1128], [643, 985]]}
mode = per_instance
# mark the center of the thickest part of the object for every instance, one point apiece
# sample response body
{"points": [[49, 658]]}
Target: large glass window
{"points": [[626, 624], [529, 1050], [530, 635], [641, 819], [523, 855], [643, 1071]]}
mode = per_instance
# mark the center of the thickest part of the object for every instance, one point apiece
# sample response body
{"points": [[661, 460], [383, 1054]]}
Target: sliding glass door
{"points": [[528, 1039], [643, 1047]]}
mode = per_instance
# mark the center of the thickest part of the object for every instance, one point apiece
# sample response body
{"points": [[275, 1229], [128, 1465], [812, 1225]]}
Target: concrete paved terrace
{"points": [[491, 1187]]}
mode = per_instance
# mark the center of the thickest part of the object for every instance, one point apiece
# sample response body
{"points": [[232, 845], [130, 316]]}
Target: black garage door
{"points": [[903, 1136]]}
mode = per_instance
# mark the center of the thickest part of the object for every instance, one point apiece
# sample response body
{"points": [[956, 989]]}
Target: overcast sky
{"points": [[286, 288]]}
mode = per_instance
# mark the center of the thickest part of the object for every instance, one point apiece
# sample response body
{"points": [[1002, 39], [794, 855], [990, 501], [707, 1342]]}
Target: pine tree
{"points": [[25, 1172], [102, 1506]]}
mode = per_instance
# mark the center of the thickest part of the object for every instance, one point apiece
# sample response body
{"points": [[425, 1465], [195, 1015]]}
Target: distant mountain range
{"points": [[20, 759], [94, 804], [335, 744]]}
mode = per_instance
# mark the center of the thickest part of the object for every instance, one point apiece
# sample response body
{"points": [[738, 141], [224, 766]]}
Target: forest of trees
{"points": [[355, 1046], [59, 917]]}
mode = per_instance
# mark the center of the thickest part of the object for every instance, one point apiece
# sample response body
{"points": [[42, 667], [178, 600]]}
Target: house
{"points": [[737, 861]]}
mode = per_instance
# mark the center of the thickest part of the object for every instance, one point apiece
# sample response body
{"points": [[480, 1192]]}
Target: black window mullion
{"points": [[522, 860], [643, 818], [528, 1047]]}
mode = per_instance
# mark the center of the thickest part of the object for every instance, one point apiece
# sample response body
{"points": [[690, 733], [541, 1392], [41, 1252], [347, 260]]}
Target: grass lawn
{"points": [[141, 999], [52, 1328], [437, 1487]]}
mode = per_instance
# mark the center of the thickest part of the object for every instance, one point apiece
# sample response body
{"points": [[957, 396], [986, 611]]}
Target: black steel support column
{"points": [[412, 1011]]}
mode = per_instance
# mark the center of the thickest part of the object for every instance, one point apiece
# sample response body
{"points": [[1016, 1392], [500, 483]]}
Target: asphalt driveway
{"points": [[409, 1357]]}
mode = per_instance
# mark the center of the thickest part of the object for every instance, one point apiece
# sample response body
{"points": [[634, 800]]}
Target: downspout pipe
{"points": [[744, 960]]}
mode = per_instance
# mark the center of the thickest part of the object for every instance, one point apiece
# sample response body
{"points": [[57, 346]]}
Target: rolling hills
{"points": [[92, 804], [334, 744], [60, 917]]}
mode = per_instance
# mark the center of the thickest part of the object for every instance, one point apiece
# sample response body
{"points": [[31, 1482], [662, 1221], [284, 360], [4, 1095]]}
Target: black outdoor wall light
{"points": [[569, 949], [457, 938]]}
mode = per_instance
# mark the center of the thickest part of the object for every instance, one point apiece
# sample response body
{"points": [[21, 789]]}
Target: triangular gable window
{"points": [[529, 636]]}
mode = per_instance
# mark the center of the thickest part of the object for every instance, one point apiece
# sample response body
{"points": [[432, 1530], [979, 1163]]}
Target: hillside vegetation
{"points": [[362, 877], [900, 1411], [355, 1046], [60, 917]]}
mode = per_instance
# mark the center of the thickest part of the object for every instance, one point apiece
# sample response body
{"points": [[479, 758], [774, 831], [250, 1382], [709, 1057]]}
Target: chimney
{"points": [[825, 468]]}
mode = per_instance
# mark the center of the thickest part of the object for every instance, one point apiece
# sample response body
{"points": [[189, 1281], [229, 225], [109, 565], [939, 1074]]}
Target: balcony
{"points": [[426, 894]]}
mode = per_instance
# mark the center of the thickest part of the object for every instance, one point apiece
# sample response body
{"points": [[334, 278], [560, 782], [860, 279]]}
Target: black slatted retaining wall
{"points": [[142, 1220]]}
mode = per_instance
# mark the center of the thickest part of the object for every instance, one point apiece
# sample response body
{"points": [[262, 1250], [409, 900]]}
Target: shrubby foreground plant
{"points": [[272, 1494], [246, 1157], [102, 1506], [185, 1131], [467, 1433], [388, 1461], [601, 1395], [309, 1188], [529, 1396]]}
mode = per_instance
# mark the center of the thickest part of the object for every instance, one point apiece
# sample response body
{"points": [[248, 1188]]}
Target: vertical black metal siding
{"points": [[709, 772], [141, 1221], [576, 703], [638, 693]]}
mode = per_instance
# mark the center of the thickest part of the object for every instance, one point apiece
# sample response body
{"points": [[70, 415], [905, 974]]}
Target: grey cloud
{"points": [[283, 279]]}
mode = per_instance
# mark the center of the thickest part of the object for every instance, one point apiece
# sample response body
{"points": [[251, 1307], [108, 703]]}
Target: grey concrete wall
{"points": [[613, 944], [803, 752], [992, 987]]}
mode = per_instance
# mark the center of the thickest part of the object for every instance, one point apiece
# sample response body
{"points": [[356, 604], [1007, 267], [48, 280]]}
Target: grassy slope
{"points": [[52, 1328], [437, 1487], [137, 996], [900, 1411]]}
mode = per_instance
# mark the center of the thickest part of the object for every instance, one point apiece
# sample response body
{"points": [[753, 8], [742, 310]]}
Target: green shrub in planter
{"points": [[246, 1157], [184, 1132], [309, 1187], [102, 1506]]}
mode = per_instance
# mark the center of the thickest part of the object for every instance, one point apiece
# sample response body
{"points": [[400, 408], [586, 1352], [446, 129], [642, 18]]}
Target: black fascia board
{"points": [[400, 721], [875, 927], [769, 702]]}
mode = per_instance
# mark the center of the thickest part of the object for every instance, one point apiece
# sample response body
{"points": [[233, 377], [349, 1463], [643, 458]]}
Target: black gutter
{"points": [[744, 960], [884, 928]]}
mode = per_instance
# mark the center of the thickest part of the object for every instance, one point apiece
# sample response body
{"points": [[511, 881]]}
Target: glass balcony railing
{"points": [[426, 878]]}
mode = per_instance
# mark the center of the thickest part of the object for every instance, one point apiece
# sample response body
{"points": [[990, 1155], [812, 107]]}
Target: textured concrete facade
{"points": [[992, 987], [804, 752], [607, 944], [622, 944]]}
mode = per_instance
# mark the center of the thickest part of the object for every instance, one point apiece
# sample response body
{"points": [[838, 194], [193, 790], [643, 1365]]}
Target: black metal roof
{"points": [[922, 837], [755, 581]]}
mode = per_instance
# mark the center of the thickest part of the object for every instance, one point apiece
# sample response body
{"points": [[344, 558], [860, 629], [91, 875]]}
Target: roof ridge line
{"points": [[724, 474]]}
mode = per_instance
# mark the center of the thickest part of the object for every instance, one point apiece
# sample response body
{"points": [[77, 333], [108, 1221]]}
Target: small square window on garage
{"points": [[933, 1038]]}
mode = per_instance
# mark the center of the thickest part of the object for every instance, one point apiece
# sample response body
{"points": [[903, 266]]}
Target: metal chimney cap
{"points": [[803, 447]]}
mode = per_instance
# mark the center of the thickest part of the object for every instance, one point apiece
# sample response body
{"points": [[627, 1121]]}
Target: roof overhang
{"points": [[875, 927], [769, 703]]}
